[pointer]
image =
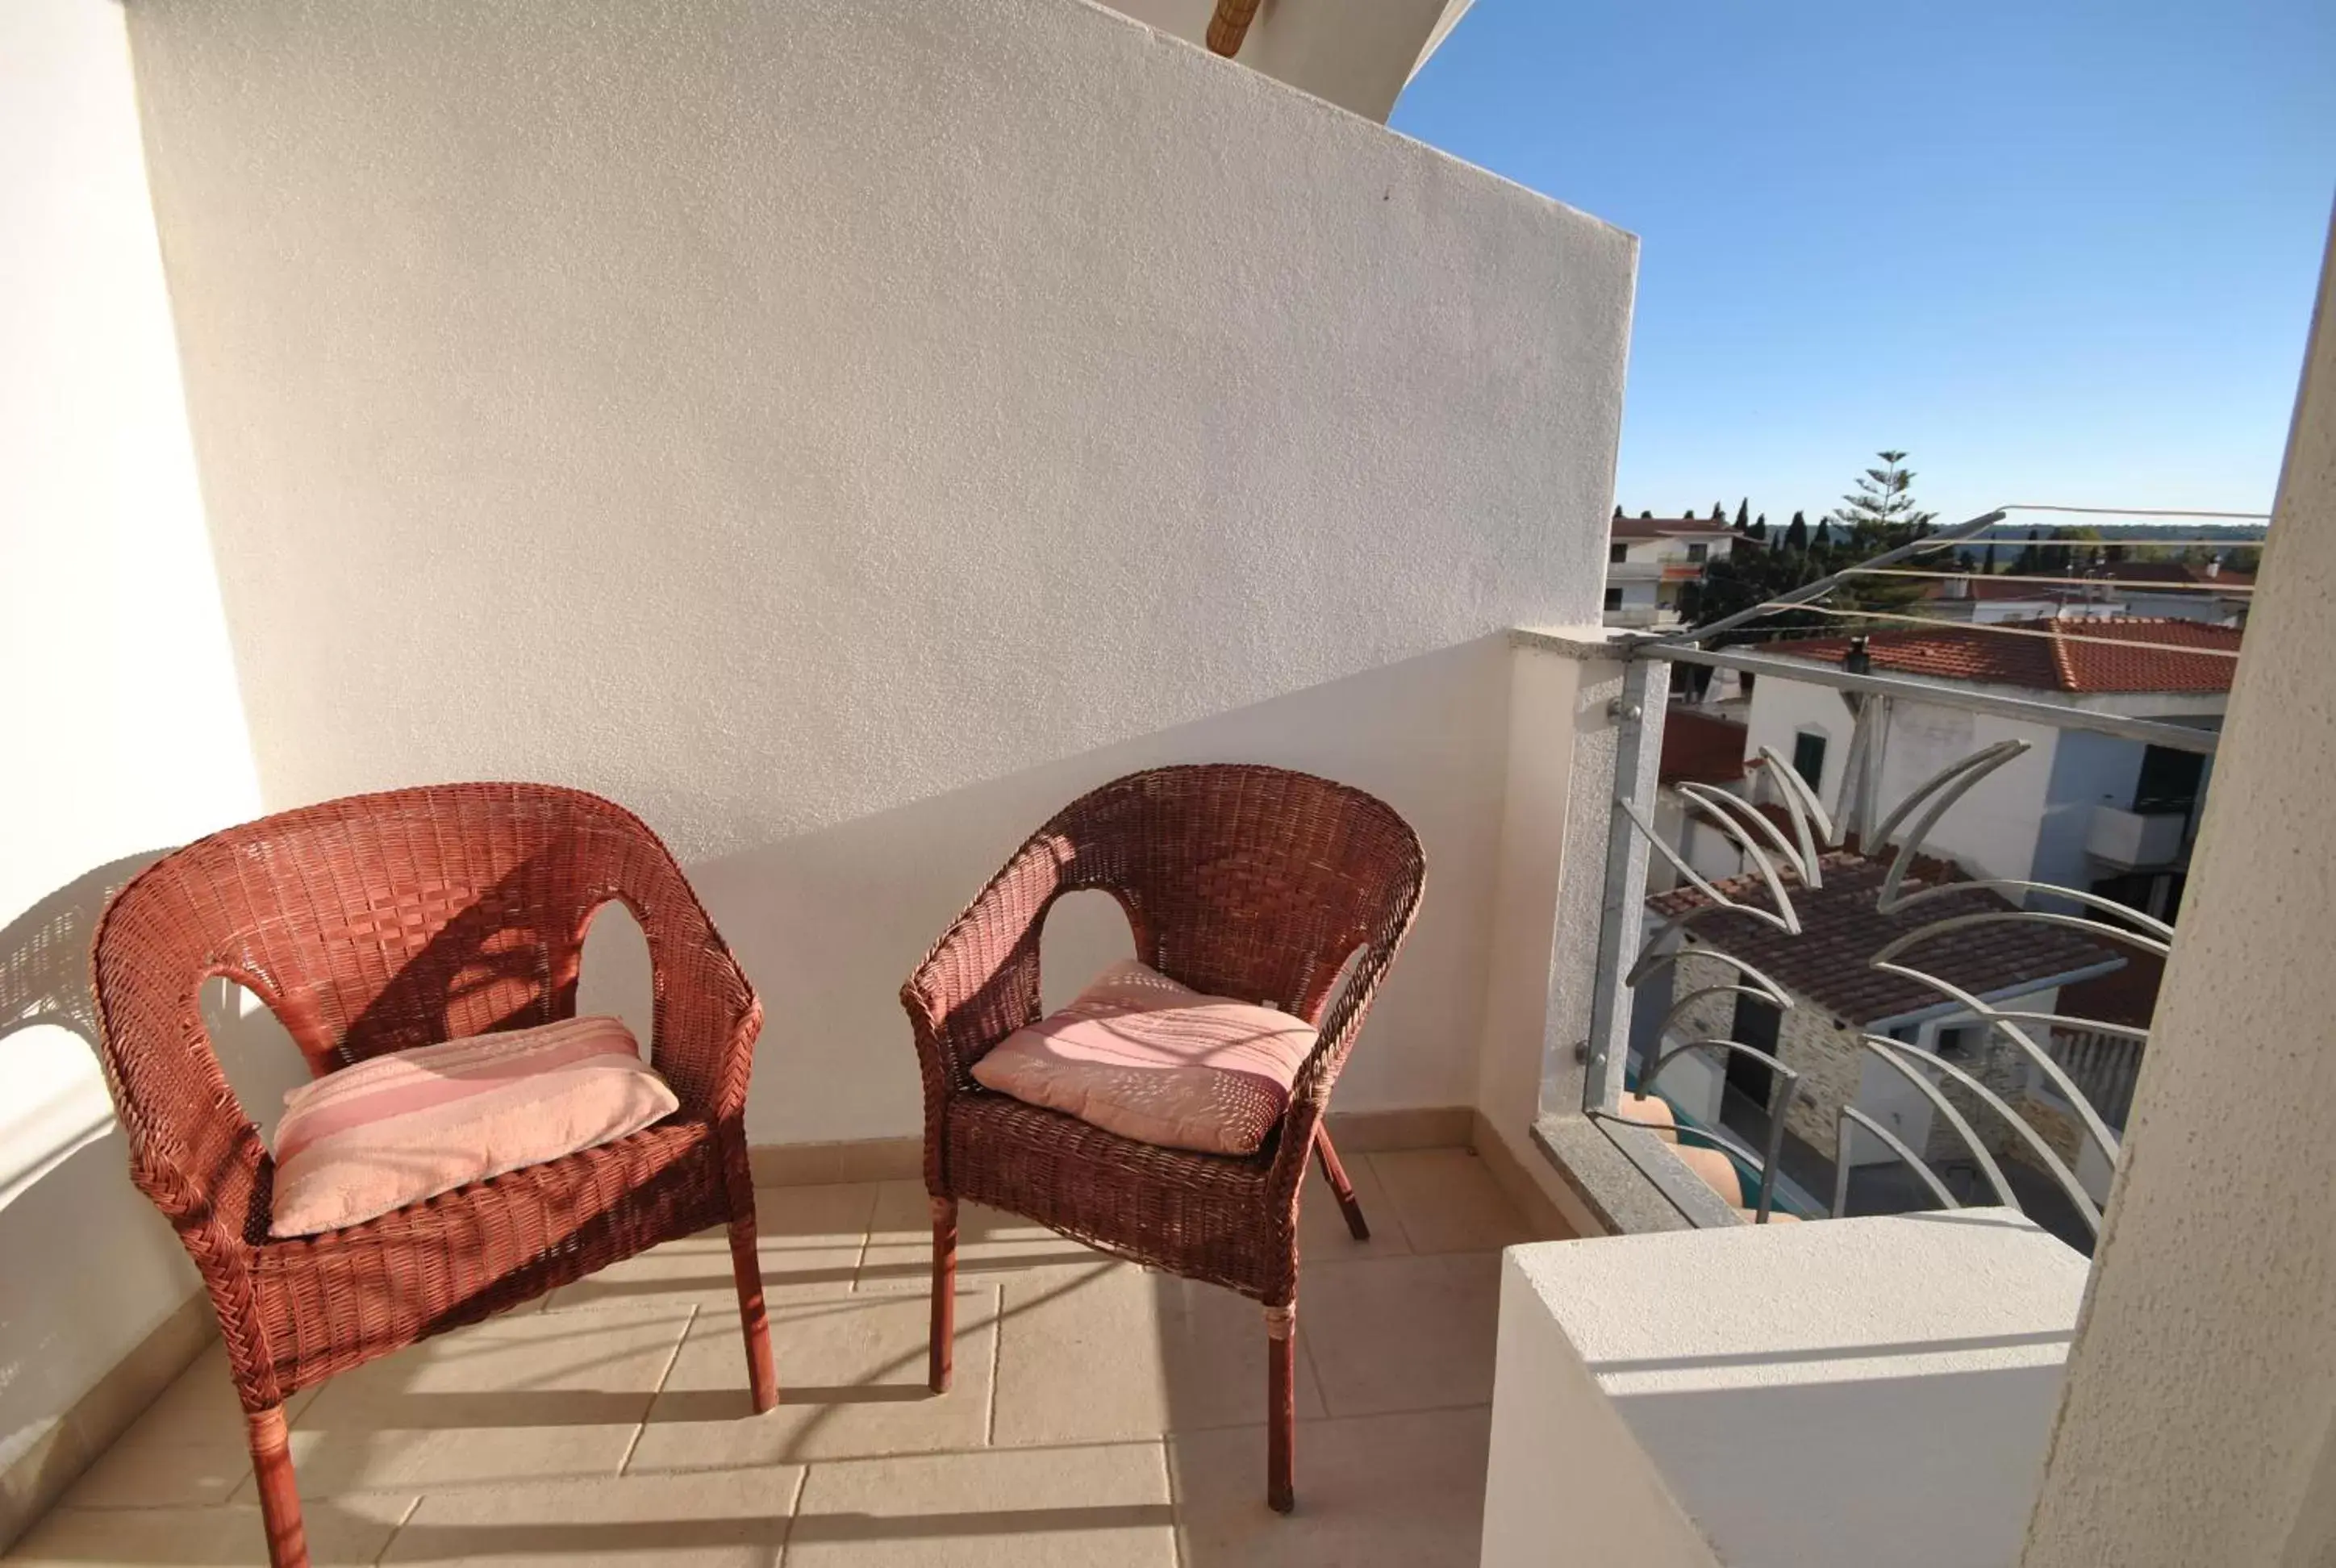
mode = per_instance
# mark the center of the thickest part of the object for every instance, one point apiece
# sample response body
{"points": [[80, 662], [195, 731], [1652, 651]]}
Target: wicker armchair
{"points": [[380, 922], [1237, 881]]}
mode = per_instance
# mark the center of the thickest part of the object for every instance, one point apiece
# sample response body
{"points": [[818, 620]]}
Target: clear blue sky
{"points": [[2058, 250]]}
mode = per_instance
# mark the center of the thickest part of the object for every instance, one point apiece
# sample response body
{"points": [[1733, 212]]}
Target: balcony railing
{"points": [[1980, 1087]]}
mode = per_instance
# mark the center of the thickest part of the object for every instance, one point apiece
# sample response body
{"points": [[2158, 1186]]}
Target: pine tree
{"points": [[1618, 512], [2030, 558], [1824, 537], [1718, 513], [1647, 516], [1876, 515], [1796, 534], [1760, 526], [1744, 514]]}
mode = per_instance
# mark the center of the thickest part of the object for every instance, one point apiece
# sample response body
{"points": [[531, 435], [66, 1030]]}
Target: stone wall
{"points": [[1829, 1054]]}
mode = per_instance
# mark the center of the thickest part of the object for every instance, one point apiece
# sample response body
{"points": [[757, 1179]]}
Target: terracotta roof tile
{"points": [[2077, 656], [1841, 930]]}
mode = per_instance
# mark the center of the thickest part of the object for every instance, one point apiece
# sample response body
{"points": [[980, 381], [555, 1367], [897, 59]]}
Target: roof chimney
{"points": [[2214, 566], [1857, 661]]}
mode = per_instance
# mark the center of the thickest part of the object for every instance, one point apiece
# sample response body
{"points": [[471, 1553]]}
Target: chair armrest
{"points": [[707, 1014], [980, 983], [1309, 1091]]}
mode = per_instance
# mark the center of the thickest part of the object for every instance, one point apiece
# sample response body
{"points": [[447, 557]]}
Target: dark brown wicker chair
{"points": [[1242, 881], [374, 924]]}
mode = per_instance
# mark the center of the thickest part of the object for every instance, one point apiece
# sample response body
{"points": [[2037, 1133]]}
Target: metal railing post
{"points": [[1638, 749]]}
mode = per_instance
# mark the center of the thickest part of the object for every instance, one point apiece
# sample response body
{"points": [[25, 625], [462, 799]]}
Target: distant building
{"points": [[2079, 809], [1838, 998], [2153, 589], [1649, 559]]}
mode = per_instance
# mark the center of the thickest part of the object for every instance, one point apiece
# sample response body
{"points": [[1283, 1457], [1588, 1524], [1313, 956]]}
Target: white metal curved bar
{"points": [[2125, 934], [1744, 811], [1888, 1049], [1783, 917], [2095, 1128], [1801, 803], [2053, 1165], [1942, 789], [1851, 1116], [1693, 996], [2150, 924]]}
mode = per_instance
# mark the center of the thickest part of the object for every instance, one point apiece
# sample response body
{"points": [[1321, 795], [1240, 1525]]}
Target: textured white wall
{"points": [[789, 420], [124, 731], [1863, 1393], [2200, 1419]]}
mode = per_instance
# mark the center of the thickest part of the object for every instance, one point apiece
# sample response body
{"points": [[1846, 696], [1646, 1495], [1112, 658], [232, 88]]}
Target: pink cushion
{"points": [[396, 1129], [1138, 1055]]}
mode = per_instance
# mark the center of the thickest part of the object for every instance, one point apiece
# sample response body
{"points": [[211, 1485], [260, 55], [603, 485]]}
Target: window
{"points": [[1618, 552], [1957, 1044], [1808, 757], [1697, 553], [1613, 599], [2169, 780]]}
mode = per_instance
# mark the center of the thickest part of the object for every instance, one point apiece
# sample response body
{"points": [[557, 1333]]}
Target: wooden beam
{"points": [[1230, 26]]}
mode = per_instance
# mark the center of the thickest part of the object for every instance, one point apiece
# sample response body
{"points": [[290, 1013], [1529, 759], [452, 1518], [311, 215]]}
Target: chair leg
{"points": [[1342, 1188], [747, 1263], [944, 1345], [1281, 1406], [279, 1495]]}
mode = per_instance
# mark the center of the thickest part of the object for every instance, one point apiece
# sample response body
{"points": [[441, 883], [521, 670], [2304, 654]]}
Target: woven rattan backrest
{"points": [[1245, 882], [374, 923]]}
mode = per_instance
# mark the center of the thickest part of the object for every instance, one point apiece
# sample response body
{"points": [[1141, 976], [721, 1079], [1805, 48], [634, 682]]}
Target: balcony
{"points": [[2135, 840], [844, 436]]}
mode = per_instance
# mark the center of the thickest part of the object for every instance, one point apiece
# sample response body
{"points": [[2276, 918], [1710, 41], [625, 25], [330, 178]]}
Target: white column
{"points": [[2196, 1425]]}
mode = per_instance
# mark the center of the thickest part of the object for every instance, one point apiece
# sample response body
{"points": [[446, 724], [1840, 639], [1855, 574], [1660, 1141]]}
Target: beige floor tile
{"points": [[1402, 1334], [1449, 1202], [809, 1240], [989, 1243], [1403, 1491], [716, 1519], [1085, 1508], [201, 1405], [524, 1398], [146, 1472], [1111, 1352], [345, 1530], [1323, 1233], [190, 1447], [851, 1384]]}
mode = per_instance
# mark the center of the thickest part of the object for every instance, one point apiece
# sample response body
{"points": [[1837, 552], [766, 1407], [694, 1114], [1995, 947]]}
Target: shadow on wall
{"points": [[829, 923], [92, 1267]]}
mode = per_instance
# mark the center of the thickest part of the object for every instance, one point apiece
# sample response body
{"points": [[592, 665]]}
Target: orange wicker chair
{"points": [[385, 922], [1237, 881]]}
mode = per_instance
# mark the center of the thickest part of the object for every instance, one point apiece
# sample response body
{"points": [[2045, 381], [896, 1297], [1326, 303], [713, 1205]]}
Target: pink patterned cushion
{"points": [[1138, 1055], [396, 1129]]}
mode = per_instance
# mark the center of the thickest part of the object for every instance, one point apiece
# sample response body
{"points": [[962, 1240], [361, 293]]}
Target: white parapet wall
{"points": [[844, 430], [124, 731], [1869, 1393]]}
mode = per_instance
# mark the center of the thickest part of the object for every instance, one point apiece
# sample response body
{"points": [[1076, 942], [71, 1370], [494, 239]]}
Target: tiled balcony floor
{"points": [[1102, 1414]]}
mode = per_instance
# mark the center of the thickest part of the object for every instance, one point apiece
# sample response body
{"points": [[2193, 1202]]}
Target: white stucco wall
{"points": [[1865, 1393], [2197, 1425], [125, 733], [842, 432]]}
